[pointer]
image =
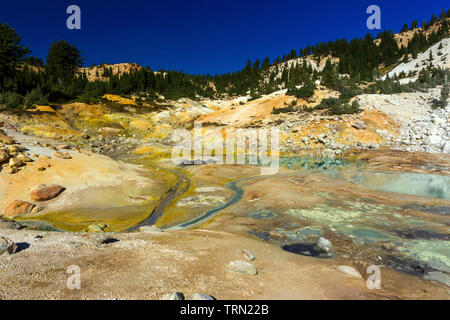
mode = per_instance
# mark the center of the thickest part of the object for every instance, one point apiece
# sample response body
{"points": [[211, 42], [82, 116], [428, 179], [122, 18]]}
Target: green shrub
{"points": [[35, 96], [336, 106], [307, 91], [11, 99], [88, 97]]}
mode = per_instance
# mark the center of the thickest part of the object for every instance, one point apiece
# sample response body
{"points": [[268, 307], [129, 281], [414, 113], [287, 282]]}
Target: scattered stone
{"points": [[9, 224], [350, 271], [173, 296], [44, 193], [323, 245], [15, 163], [41, 169], [359, 125], [7, 140], [242, 267], [17, 208], [11, 170], [248, 254], [201, 296], [388, 246], [445, 148], [4, 156], [62, 155], [23, 158], [7, 246]]}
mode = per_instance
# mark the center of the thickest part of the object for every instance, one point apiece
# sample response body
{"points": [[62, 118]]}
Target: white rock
{"points": [[350, 271], [323, 245]]}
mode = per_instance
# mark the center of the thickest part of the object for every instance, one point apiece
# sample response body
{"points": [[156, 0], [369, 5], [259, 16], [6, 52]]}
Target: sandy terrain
{"points": [[146, 266]]}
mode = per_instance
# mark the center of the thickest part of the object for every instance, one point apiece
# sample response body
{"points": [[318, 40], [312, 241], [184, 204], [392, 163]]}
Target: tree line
{"points": [[27, 80]]}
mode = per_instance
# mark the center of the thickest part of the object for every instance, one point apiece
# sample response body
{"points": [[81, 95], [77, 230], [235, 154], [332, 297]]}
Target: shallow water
{"points": [[421, 244], [428, 185]]}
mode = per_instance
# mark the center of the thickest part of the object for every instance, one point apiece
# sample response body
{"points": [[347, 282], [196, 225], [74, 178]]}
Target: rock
{"points": [[96, 227], [23, 158], [373, 146], [242, 267], [7, 140], [388, 246], [350, 271], [15, 163], [173, 296], [62, 155], [201, 296], [323, 245], [7, 246], [14, 149], [434, 139], [44, 193], [446, 147], [17, 208], [359, 125], [4, 156], [11, 170], [104, 239], [41, 169], [248, 254]]}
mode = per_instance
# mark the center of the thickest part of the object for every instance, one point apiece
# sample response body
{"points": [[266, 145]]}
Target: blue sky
{"points": [[200, 36]]}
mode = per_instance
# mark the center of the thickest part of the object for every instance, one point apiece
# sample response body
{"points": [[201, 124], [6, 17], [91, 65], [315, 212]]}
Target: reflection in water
{"points": [[429, 185]]}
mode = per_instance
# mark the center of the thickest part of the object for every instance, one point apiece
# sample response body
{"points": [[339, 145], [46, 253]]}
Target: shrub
{"points": [[304, 92], [88, 97], [336, 106], [11, 99], [35, 96]]}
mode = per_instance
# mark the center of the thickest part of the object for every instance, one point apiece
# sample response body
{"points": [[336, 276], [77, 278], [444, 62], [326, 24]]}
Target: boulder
{"points": [[446, 147], [173, 296], [23, 158], [7, 140], [323, 245], [62, 155], [4, 156], [15, 163], [201, 296], [7, 246], [350, 271], [44, 193], [359, 125], [247, 254], [17, 208], [242, 267]]}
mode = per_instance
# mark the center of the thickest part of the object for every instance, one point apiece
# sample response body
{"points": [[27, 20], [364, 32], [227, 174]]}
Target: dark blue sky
{"points": [[201, 36]]}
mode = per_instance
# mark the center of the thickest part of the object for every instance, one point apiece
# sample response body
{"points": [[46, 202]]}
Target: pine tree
{"points": [[63, 61], [11, 53]]}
